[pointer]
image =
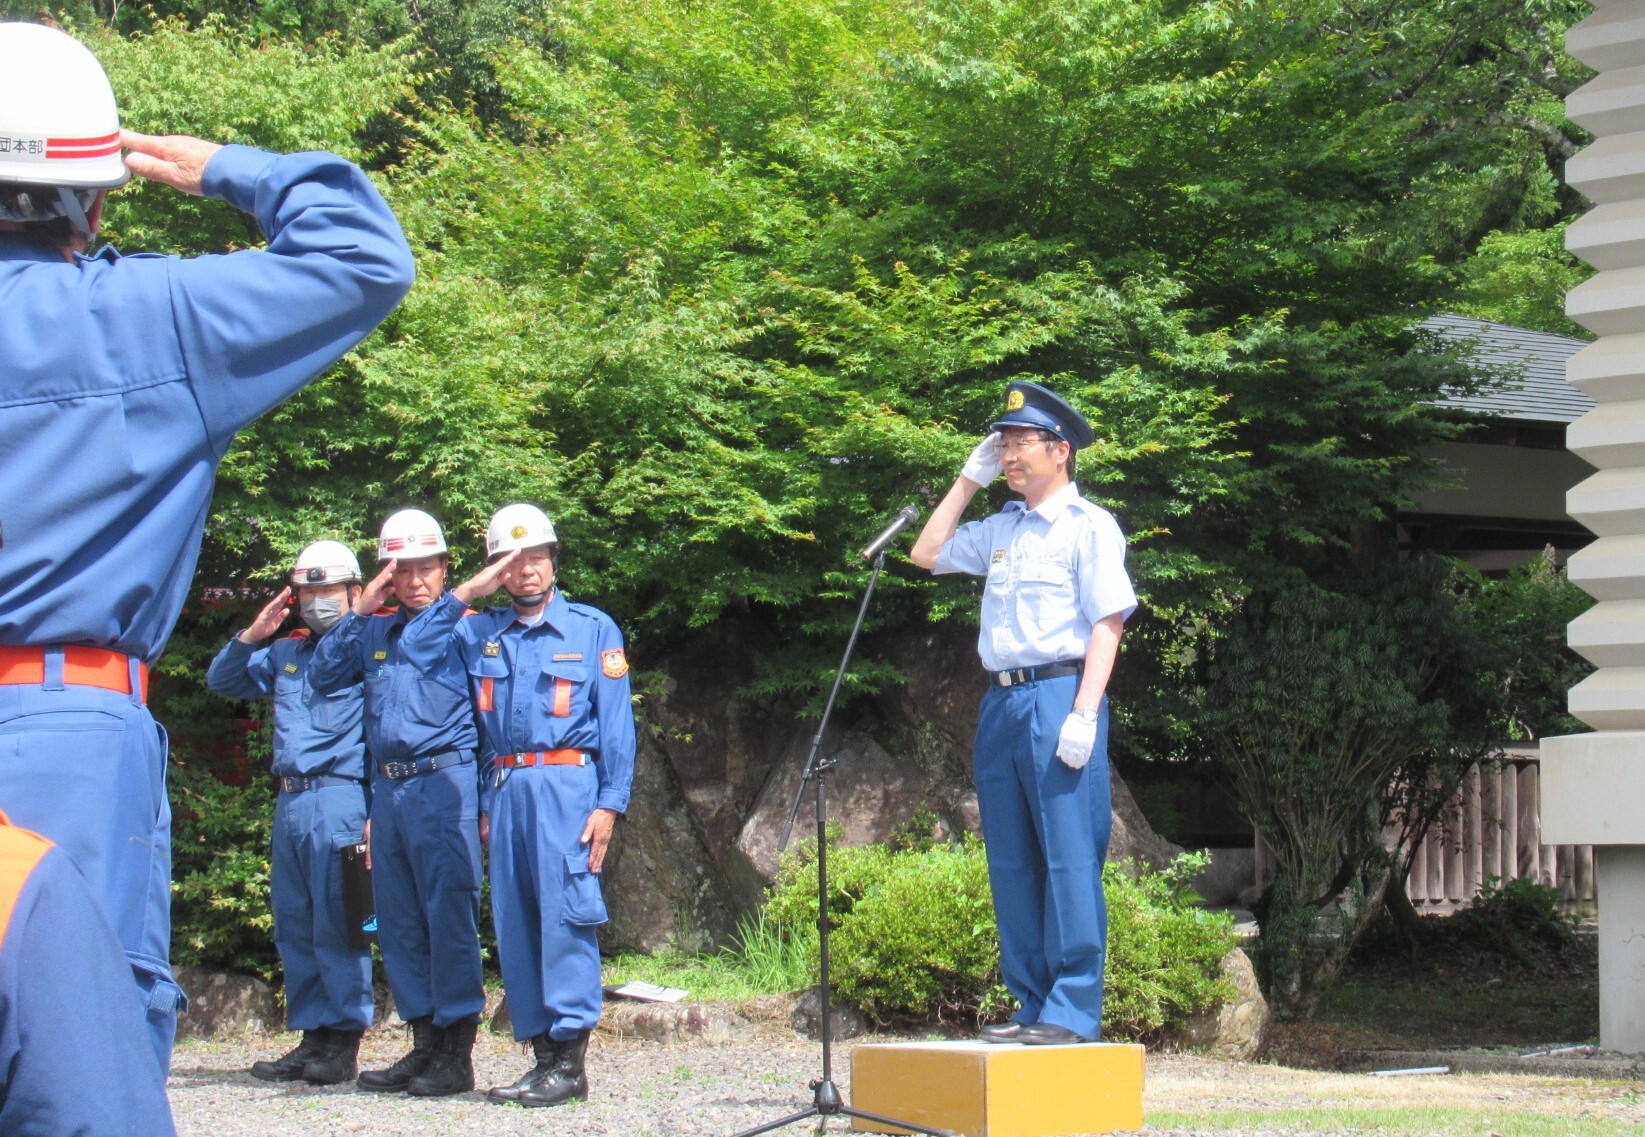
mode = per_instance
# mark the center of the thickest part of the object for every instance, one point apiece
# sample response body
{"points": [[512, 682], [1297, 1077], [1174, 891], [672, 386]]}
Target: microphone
{"points": [[906, 516]]}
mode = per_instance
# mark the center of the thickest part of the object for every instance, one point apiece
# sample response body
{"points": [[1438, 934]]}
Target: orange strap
{"points": [[484, 699], [542, 758], [20, 851], [562, 698], [82, 667]]}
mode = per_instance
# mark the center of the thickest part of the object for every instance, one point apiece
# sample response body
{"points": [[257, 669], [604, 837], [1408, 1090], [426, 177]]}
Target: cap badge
{"points": [[517, 532], [1013, 401]]}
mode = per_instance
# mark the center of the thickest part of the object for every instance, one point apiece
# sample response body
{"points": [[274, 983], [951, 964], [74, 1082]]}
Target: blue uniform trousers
{"points": [[86, 768], [1046, 828], [425, 877], [544, 901], [327, 983]]}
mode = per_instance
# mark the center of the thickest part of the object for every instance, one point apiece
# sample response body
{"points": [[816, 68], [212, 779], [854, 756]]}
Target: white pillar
{"points": [[1593, 785]]}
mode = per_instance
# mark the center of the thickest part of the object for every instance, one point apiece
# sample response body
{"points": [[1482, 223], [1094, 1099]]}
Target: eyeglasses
{"points": [[1018, 445]]}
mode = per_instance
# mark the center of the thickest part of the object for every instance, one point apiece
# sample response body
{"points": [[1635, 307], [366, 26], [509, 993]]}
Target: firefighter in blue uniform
{"points": [[125, 379], [550, 682], [58, 956], [423, 835], [1054, 606], [319, 772]]}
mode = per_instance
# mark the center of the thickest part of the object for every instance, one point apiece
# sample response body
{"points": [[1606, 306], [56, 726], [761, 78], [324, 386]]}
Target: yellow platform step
{"points": [[988, 1090]]}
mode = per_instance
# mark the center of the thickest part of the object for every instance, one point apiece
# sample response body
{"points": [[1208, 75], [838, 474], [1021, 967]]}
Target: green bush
{"points": [[913, 936], [221, 836], [1516, 920]]}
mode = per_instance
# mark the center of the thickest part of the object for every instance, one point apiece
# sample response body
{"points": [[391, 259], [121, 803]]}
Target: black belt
{"points": [[311, 782], [1017, 676], [412, 767]]}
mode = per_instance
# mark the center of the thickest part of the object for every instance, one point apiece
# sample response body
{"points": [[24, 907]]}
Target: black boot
{"points": [[336, 1062], [425, 1039], [565, 1081], [451, 1071], [546, 1050], [289, 1066]]}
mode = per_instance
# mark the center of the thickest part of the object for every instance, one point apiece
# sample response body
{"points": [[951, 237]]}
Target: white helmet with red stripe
{"points": [[58, 123], [408, 534], [326, 562]]}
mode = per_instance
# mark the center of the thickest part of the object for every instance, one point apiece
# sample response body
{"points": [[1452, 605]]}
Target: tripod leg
{"points": [[808, 1111], [894, 1123]]}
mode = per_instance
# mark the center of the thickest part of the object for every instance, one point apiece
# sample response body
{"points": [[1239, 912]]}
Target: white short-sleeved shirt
{"points": [[1052, 574]]}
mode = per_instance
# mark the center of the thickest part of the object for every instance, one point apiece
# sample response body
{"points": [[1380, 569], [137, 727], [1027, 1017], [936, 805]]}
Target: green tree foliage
{"points": [[719, 283], [1346, 709]]}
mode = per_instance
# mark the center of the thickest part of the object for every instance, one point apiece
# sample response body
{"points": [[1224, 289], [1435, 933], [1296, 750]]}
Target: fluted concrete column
{"points": [[1593, 785]]}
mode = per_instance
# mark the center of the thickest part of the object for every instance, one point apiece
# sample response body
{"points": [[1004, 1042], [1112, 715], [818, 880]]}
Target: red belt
{"points": [[542, 758], [82, 667]]}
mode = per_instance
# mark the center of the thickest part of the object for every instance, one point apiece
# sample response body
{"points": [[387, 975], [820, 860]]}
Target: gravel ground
{"points": [[691, 1088]]}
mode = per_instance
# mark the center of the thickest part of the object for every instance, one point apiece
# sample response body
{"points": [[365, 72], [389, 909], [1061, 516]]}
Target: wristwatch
{"points": [[1089, 714]]}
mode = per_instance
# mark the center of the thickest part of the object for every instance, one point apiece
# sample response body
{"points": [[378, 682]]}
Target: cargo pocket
{"points": [[584, 902]]}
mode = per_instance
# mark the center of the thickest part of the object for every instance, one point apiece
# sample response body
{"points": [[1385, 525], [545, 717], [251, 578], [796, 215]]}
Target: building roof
{"points": [[1534, 363]]}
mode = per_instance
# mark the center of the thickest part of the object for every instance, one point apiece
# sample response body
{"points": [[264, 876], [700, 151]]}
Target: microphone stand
{"points": [[825, 1100]]}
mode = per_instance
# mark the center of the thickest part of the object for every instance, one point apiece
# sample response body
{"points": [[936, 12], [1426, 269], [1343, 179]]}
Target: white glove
{"points": [[1076, 740], [984, 464]]}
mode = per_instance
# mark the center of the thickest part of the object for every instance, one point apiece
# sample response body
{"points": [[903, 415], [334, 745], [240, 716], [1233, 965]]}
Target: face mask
{"points": [[320, 614]]}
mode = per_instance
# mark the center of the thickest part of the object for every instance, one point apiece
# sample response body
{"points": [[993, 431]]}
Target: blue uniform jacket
{"points": [[561, 683], [66, 1001], [314, 733], [411, 712], [124, 380]]}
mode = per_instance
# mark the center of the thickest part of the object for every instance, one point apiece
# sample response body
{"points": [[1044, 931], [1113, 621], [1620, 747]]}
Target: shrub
{"points": [[1516, 920], [913, 936], [221, 837]]}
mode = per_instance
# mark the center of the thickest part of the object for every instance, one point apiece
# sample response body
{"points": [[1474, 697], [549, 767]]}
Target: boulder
{"points": [[1237, 1029], [843, 1022], [662, 885], [869, 794], [221, 1003]]}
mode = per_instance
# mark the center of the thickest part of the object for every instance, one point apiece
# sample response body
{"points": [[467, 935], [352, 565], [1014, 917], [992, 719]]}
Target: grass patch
{"points": [[1437, 1121], [761, 962]]}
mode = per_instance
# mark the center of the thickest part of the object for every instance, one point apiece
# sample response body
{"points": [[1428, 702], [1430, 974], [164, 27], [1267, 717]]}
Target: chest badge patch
{"points": [[999, 556], [291, 669], [492, 649], [379, 655], [568, 656], [614, 663]]}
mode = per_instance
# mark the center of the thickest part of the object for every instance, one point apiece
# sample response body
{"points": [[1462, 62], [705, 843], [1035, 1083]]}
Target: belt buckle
{"points": [[392, 769]]}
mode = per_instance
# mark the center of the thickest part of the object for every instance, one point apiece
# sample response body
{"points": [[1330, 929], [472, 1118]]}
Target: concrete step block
{"points": [[1612, 38], [1612, 698], [1611, 568], [1610, 370]]}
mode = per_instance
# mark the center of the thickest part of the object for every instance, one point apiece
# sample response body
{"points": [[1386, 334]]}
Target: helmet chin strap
{"points": [[70, 201]]}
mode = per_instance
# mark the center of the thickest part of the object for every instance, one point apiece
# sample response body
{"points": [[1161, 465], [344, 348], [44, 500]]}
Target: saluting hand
{"points": [[597, 835], [268, 621], [488, 580], [175, 160], [373, 594], [984, 464]]}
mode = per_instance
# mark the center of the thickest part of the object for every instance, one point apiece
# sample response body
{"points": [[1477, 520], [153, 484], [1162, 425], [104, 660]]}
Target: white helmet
{"points": [[326, 562], [58, 122], [518, 527], [411, 533]]}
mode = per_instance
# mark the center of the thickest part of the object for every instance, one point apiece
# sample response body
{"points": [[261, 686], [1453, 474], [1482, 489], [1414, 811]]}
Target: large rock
{"points": [[222, 1003], [1238, 1029], [663, 887], [869, 794]]}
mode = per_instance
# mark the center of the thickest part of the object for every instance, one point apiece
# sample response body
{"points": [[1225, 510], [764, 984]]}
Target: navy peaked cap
{"points": [[1029, 404]]}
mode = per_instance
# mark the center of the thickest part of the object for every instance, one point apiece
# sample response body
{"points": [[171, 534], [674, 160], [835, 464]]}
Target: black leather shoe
{"points": [[1048, 1034], [566, 1080], [547, 1052], [337, 1062], [1000, 1032], [425, 1040]]}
